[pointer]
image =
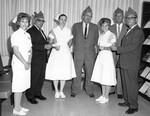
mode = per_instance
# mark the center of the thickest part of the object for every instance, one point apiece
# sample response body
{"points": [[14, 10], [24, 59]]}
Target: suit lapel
{"points": [[115, 29], [123, 31], [130, 32], [127, 36], [90, 28], [81, 28], [43, 35]]}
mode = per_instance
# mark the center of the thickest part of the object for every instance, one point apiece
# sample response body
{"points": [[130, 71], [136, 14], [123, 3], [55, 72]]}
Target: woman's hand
{"points": [[57, 47], [114, 47], [27, 65]]}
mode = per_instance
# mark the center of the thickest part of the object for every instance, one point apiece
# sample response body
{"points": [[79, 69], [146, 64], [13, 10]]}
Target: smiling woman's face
{"points": [[24, 23], [105, 26]]}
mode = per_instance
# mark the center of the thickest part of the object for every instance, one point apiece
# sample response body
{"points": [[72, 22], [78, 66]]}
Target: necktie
{"points": [[85, 31], [42, 33], [118, 30]]}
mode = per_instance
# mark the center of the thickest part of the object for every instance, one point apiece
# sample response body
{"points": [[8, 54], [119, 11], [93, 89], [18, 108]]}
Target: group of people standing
{"points": [[117, 62]]}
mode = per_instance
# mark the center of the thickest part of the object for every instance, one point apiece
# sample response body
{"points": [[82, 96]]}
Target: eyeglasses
{"points": [[88, 15], [41, 21], [130, 18]]}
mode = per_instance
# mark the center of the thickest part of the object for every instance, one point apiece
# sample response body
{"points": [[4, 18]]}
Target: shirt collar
{"points": [[37, 27], [22, 31], [85, 24], [133, 26]]}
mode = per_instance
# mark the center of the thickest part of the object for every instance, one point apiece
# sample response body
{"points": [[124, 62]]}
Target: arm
{"points": [[74, 34], [70, 39], [96, 40], [30, 56], [53, 40], [70, 42], [96, 36], [20, 57]]}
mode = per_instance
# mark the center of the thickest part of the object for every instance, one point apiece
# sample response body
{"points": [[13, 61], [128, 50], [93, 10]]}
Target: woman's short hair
{"points": [[104, 20], [23, 15]]}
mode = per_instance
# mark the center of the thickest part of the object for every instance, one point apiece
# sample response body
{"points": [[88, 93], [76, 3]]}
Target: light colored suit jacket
{"points": [[84, 47]]}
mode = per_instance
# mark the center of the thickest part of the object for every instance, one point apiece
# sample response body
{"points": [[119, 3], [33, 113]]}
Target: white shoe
{"points": [[57, 95], [104, 100], [99, 99], [19, 112], [62, 95], [24, 109]]}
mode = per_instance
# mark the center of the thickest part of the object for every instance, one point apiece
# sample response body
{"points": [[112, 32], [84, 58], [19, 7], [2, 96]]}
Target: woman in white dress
{"points": [[60, 65], [104, 69], [21, 44]]}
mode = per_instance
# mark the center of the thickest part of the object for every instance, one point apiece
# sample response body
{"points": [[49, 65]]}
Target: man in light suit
{"points": [[40, 48], [85, 39], [119, 29], [130, 57]]}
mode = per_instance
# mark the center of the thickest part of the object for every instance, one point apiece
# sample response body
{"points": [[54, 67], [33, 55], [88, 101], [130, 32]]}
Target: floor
{"points": [[81, 105]]}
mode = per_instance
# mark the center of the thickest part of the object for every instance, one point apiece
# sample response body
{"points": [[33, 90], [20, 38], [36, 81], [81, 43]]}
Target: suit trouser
{"points": [[37, 80], [130, 87], [118, 87], [76, 85], [119, 82]]}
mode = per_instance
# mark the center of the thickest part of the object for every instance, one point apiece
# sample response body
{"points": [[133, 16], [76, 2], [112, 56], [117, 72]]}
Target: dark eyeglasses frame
{"points": [[129, 18], [41, 21]]}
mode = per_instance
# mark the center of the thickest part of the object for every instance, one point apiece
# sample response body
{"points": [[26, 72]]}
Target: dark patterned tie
{"points": [[42, 34], [85, 31]]}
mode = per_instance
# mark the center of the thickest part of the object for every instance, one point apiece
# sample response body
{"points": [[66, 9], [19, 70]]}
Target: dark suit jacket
{"points": [[130, 50], [84, 47], [38, 42]]}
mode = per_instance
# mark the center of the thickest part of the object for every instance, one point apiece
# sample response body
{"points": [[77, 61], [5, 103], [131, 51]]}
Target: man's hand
{"points": [[48, 46], [27, 66], [57, 47], [113, 47]]}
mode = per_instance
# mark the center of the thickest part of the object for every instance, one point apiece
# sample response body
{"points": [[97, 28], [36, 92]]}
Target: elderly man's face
{"points": [[39, 22], [131, 20], [119, 18], [87, 17]]}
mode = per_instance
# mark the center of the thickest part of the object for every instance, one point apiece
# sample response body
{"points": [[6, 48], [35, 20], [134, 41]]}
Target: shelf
{"points": [[144, 96], [144, 72], [145, 78]]}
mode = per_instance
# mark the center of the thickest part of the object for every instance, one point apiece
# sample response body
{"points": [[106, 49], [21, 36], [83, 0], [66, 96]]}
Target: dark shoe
{"points": [[111, 93], [120, 96], [91, 95], [123, 104], [32, 101], [41, 97], [73, 95], [131, 111]]}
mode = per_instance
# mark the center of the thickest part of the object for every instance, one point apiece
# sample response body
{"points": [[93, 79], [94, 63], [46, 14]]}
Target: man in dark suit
{"points": [[85, 39], [130, 54], [40, 48], [119, 28]]}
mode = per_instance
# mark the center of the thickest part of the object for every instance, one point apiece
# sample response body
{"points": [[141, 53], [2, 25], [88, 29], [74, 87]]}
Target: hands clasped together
{"points": [[111, 48]]}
